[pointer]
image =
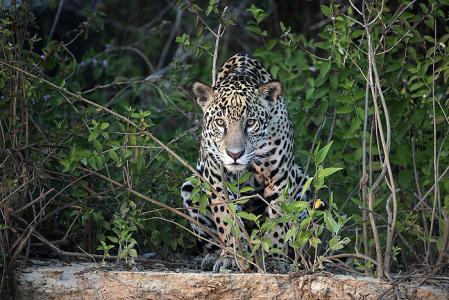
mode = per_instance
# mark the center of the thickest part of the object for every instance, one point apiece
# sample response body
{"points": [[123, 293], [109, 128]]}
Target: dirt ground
{"points": [[56, 279]]}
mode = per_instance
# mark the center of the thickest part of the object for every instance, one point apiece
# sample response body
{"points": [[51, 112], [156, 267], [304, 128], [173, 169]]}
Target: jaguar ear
{"points": [[270, 90], [203, 93]]}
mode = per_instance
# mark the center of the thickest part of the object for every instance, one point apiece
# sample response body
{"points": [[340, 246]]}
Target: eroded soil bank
{"points": [[90, 281]]}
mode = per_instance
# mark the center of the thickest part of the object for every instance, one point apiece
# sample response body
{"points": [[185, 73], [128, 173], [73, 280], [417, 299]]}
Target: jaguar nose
{"points": [[235, 155]]}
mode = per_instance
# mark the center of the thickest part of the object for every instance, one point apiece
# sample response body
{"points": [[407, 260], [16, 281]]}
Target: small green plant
{"points": [[125, 224]]}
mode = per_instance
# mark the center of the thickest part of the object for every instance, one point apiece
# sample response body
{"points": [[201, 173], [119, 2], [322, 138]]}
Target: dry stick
{"points": [[39, 215], [34, 201], [386, 149], [191, 130], [15, 191], [433, 272], [374, 187], [395, 283], [217, 42], [21, 244], [136, 51], [364, 179], [170, 38], [437, 163], [56, 19], [385, 142], [435, 171], [418, 188], [431, 189], [214, 61], [344, 255], [436, 199]]}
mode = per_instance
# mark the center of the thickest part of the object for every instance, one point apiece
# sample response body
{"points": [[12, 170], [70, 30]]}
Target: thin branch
{"points": [[56, 19], [217, 42], [136, 51], [344, 255], [170, 38], [364, 178], [431, 189], [385, 142]]}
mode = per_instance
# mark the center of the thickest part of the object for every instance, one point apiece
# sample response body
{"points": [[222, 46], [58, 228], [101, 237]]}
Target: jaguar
{"points": [[246, 128]]}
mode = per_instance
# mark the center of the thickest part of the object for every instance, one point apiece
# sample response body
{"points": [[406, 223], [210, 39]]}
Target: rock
{"points": [[90, 281]]}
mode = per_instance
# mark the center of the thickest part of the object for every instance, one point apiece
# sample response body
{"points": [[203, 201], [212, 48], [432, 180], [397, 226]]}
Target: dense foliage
{"points": [[370, 77]]}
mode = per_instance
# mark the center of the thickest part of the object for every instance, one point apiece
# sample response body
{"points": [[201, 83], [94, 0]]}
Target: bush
{"points": [[80, 110]]}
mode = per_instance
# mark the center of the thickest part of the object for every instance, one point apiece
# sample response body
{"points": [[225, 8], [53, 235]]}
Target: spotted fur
{"points": [[246, 127]]}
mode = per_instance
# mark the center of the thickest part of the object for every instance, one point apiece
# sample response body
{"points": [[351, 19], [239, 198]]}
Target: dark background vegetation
{"points": [[60, 156]]}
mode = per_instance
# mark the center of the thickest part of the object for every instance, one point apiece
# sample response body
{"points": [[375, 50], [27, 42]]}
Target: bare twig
{"points": [[372, 218], [217, 42], [355, 255], [56, 19], [170, 38], [395, 283], [364, 177], [376, 90], [136, 51], [421, 201]]}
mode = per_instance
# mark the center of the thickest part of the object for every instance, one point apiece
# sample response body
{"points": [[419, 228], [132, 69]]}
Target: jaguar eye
{"points": [[251, 122], [220, 122]]}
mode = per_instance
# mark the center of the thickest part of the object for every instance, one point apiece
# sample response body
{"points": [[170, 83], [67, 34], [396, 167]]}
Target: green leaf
{"points": [[203, 203], [277, 251], [244, 178], [305, 223], [321, 155], [306, 185], [247, 216], [330, 223], [232, 207], [232, 187], [270, 46], [268, 225], [334, 244], [97, 145], [290, 233], [112, 239], [132, 252], [246, 189], [327, 172], [92, 162], [326, 10], [104, 125], [92, 136], [235, 231], [314, 241], [266, 244], [258, 13], [113, 155], [325, 67]]}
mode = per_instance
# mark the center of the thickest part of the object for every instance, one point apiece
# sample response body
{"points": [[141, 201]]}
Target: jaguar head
{"points": [[235, 121]]}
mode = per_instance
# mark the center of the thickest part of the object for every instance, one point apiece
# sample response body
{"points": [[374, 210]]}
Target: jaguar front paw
{"points": [[278, 264], [225, 264], [208, 262]]}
